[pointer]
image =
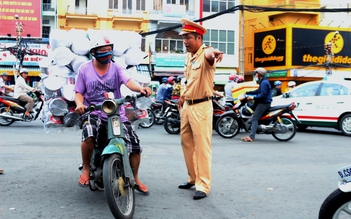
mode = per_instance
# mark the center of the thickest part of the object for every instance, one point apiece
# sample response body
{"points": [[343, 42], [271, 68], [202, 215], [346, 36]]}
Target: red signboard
{"points": [[29, 16]]}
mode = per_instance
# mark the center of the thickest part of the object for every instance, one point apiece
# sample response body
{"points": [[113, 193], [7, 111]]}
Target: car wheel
{"points": [[345, 124], [301, 127]]}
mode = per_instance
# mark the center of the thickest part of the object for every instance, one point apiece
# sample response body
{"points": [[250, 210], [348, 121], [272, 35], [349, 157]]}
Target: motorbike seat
{"points": [[14, 100], [175, 101], [278, 107]]}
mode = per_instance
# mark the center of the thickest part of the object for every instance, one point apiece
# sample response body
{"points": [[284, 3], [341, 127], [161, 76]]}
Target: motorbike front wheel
{"points": [[151, 122], [280, 133], [6, 121], [336, 205], [170, 124], [119, 193], [227, 126]]}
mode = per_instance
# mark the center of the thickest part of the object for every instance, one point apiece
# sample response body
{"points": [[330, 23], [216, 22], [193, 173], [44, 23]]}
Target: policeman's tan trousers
{"points": [[196, 137]]}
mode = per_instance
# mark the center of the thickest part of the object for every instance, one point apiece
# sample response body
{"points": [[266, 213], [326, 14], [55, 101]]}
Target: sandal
{"points": [[142, 189], [247, 139], [83, 182]]}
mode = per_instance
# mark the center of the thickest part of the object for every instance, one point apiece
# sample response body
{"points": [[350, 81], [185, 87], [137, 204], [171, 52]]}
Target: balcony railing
{"points": [[48, 7], [81, 11]]}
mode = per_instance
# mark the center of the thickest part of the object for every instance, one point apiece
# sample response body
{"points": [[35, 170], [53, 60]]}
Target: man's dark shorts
{"points": [[94, 127]]}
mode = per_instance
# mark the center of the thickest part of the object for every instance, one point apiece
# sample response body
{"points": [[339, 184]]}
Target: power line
{"points": [[252, 9]]}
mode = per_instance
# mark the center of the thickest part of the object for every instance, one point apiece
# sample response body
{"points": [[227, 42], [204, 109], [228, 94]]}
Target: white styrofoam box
{"points": [[63, 56], [134, 56], [80, 42], [120, 60], [59, 38], [77, 61]]}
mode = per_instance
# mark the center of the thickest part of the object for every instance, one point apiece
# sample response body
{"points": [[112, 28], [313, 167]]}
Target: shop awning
{"points": [[33, 71]]}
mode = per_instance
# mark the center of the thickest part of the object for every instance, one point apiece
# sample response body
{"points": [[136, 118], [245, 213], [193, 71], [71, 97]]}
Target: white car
{"points": [[324, 103]]}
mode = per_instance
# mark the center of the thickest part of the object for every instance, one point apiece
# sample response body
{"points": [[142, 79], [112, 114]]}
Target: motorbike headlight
{"points": [[109, 107]]}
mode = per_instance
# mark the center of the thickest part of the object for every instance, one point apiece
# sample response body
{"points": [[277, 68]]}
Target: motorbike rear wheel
{"points": [[169, 126], [227, 126], [336, 205], [151, 122], [119, 193], [6, 121], [289, 134]]}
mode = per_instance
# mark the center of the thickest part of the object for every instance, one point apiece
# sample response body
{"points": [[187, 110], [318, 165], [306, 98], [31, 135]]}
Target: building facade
{"points": [[294, 45]]}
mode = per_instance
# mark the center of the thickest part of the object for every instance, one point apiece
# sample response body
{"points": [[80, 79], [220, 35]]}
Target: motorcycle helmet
{"points": [[164, 80], [240, 79], [233, 77], [277, 83], [100, 42], [261, 71], [23, 70], [179, 78], [170, 79], [291, 83]]}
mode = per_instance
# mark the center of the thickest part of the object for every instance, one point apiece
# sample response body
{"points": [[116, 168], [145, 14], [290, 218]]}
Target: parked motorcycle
{"points": [[276, 121], [172, 120], [11, 109], [159, 111], [110, 169], [151, 120], [337, 204]]}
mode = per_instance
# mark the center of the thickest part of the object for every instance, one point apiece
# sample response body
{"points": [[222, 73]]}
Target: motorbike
{"points": [[159, 112], [337, 204], [277, 121], [12, 110], [172, 120], [151, 120], [110, 169]]}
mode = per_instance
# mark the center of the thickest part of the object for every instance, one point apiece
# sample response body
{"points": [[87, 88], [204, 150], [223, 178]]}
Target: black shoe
{"points": [[186, 185], [199, 195]]}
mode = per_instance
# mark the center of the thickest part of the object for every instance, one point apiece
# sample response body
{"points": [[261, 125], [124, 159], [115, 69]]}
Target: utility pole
{"points": [[241, 49], [19, 55]]}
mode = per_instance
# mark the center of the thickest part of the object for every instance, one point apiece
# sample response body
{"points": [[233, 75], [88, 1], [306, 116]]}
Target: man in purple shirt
{"points": [[96, 77]]}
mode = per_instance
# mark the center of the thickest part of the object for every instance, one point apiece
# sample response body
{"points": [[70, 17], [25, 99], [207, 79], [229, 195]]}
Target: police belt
{"points": [[191, 102]]}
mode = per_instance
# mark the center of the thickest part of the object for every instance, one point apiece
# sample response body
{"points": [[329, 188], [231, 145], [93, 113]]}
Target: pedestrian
{"points": [[277, 90], [95, 78], [262, 101], [196, 108]]}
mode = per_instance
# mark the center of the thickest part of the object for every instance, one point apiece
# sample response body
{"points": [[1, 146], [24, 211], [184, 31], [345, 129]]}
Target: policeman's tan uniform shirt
{"points": [[196, 120]]}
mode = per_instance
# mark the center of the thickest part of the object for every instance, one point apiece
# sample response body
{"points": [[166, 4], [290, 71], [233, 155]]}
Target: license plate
{"points": [[116, 126], [345, 174]]}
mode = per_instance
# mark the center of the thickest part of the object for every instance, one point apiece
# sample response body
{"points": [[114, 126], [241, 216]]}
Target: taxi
{"points": [[324, 103]]}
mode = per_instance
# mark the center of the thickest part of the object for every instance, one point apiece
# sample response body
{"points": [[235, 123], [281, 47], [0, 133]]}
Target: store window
{"points": [[218, 5], [113, 4], [45, 31], [220, 39], [126, 5], [169, 42]]}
